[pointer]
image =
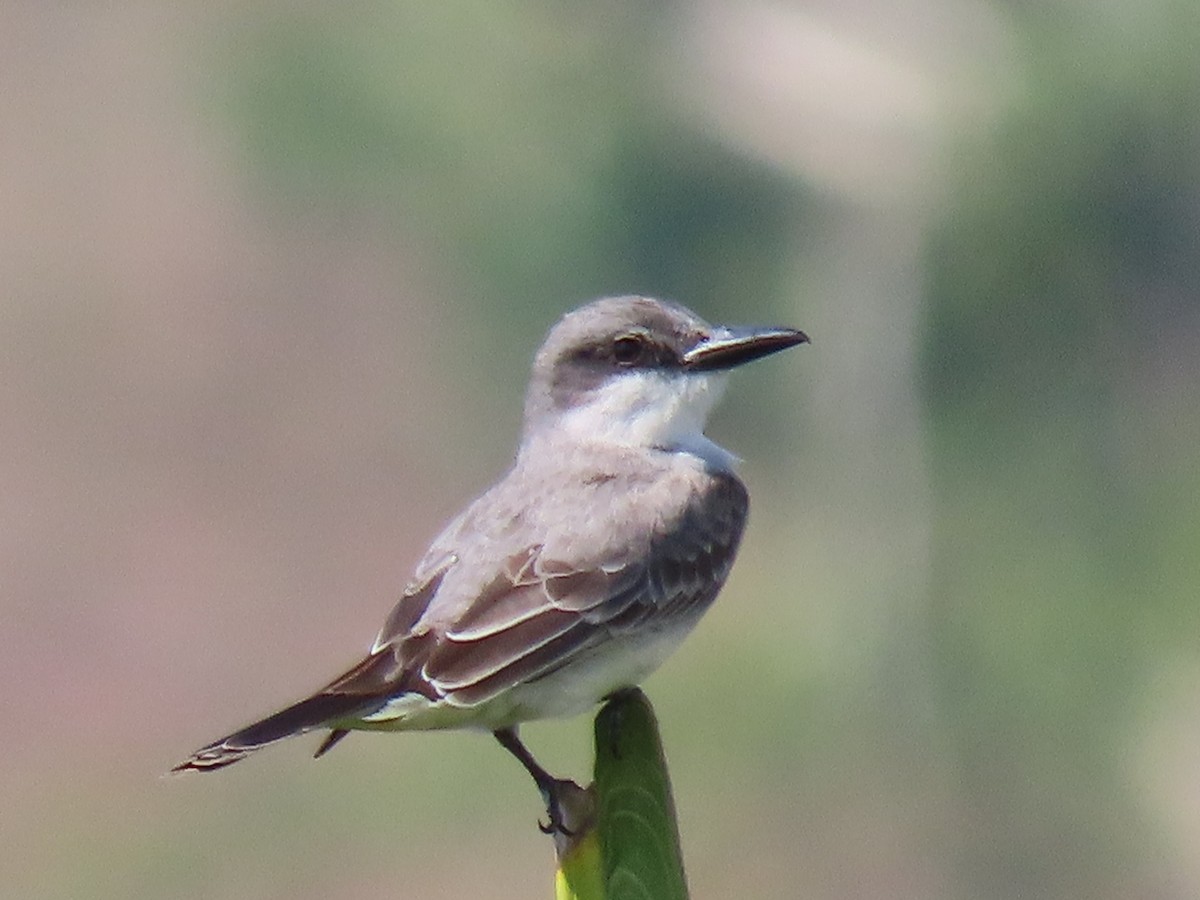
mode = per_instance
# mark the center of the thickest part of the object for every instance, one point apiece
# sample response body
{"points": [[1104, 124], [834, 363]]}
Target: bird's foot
{"points": [[568, 807]]}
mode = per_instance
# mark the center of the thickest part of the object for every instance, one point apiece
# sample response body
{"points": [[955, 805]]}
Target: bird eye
{"points": [[627, 350]]}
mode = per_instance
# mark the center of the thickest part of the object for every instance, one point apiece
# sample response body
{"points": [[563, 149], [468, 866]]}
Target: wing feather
{"points": [[529, 666], [456, 662], [417, 596], [518, 632]]}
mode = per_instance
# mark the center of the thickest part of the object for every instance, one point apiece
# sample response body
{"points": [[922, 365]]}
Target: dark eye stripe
{"points": [[626, 351], [584, 368]]}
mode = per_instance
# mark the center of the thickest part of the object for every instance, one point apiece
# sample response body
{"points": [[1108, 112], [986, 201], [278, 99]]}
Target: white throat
{"points": [[651, 409]]}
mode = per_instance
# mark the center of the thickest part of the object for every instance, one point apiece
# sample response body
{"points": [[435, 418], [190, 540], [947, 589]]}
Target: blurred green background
{"points": [[272, 277]]}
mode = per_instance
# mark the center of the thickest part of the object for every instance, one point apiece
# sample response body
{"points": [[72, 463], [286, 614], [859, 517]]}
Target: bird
{"points": [[574, 576]]}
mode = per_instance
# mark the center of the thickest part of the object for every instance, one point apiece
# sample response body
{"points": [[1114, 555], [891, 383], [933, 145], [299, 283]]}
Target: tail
{"points": [[307, 715], [362, 689]]}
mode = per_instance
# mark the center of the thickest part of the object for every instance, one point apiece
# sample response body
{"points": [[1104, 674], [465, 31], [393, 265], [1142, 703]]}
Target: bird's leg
{"points": [[552, 789]]}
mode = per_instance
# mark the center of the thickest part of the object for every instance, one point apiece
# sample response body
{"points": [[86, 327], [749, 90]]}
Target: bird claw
{"points": [[554, 826], [552, 795], [565, 803]]}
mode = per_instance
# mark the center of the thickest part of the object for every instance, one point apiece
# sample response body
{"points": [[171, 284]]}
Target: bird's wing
{"points": [[537, 614], [540, 613]]}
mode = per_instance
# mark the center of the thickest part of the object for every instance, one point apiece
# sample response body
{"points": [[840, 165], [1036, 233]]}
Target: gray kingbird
{"points": [[579, 571]]}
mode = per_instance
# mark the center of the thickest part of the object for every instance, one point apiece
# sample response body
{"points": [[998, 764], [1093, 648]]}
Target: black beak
{"points": [[729, 347]]}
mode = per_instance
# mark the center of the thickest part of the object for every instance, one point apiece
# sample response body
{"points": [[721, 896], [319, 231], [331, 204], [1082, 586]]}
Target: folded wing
{"points": [[538, 614], [541, 613]]}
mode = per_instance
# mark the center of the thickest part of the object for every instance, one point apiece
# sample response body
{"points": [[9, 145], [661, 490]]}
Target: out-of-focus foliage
{"points": [[523, 140], [1061, 361]]}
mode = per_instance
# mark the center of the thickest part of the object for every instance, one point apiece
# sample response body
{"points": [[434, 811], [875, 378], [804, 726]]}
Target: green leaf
{"points": [[639, 836], [632, 850], [580, 874]]}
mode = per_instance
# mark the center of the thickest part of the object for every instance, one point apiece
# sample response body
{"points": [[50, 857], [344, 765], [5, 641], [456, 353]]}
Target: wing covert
{"points": [[541, 613]]}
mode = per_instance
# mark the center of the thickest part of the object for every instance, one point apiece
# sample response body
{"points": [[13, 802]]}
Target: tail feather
{"points": [[330, 739], [307, 715]]}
